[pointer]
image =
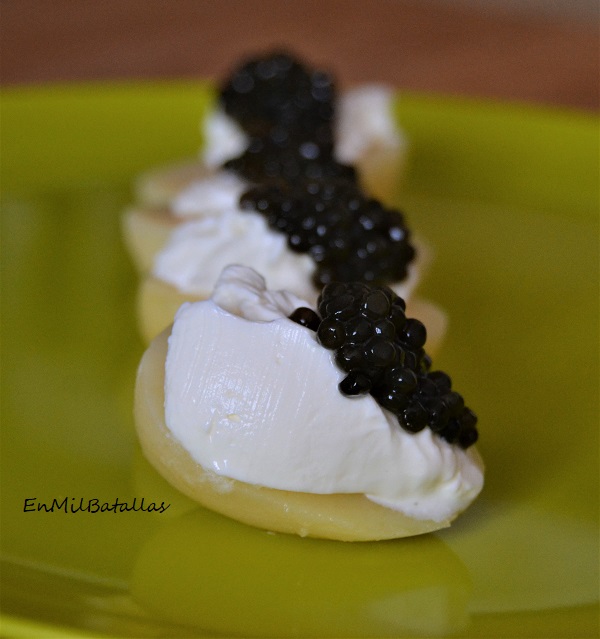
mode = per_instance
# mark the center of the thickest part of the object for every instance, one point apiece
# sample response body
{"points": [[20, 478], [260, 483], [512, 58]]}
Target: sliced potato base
{"points": [[157, 303], [145, 233], [157, 188], [349, 517], [380, 170]]}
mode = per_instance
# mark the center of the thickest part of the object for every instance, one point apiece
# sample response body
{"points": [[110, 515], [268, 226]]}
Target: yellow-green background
{"points": [[508, 197]]}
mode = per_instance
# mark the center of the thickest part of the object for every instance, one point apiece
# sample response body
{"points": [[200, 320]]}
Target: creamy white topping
{"points": [[242, 291], [197, 251], [255, 398], [220, 191], [224, 139], [365, 119]]}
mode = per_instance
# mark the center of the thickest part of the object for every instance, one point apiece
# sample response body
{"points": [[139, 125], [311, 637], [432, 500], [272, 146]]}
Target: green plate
{"points": [[507, 195]]}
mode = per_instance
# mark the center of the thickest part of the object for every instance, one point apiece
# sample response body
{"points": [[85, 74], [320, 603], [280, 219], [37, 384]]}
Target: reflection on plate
{"points": [[508, 198]]}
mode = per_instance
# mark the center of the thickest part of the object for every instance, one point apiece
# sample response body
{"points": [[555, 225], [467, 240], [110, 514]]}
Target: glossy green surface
{"points": [[508, 196]]}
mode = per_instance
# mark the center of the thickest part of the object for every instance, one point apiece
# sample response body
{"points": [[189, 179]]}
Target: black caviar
{"points": [[288, 157], [287, 110], [382, 353], [349, 235], [275, 92]]}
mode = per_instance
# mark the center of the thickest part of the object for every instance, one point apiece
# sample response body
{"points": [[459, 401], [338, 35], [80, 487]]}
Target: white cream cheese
{"points": [[218, 192], [197, 251], [365, 119], [223, 137], [252, 396]]}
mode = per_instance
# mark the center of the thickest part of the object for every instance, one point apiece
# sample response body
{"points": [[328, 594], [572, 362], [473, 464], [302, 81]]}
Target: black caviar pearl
{"points": [[385, 328], [380, 352], [467, 437], [425, 363], [376, 304], [427, 387], [358, 329], [455, 403], [468, 419], [339, 303], [350, 356], [438, 414], [397, 317], [411, 361], [306, 317], [331, 333], [333, 290], [355, 383], [414, 333], [402, 379], [441, 380], [413, 418], [391, 399], [398, 301], [451, 431]]}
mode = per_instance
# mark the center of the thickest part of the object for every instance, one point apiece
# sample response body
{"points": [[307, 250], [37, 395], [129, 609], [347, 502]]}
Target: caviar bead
{"points": [[399, 302], [331, 333], [350, 357], [414, 333], [402, 379], [385, 328], [451, 431], [390, 398], [339, 303], [358, 329], [455, 403], [306, 317], [468, 419], [467, 437], [438, 414], [441, 380], [425, 363], [376, 305], [380, 352], [397, 317], [355, 383], [413, 418], [411, 360]]}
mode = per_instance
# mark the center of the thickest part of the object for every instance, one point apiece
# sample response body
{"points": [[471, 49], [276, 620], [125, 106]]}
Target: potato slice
{"points": [[155, 188], [348, 517], [145, 233], [380, 169]]}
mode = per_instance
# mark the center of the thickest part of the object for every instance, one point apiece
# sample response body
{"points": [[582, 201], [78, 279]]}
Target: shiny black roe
{"points": [[349, 235], [277, 90], [381, 352], [289, 156]]}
